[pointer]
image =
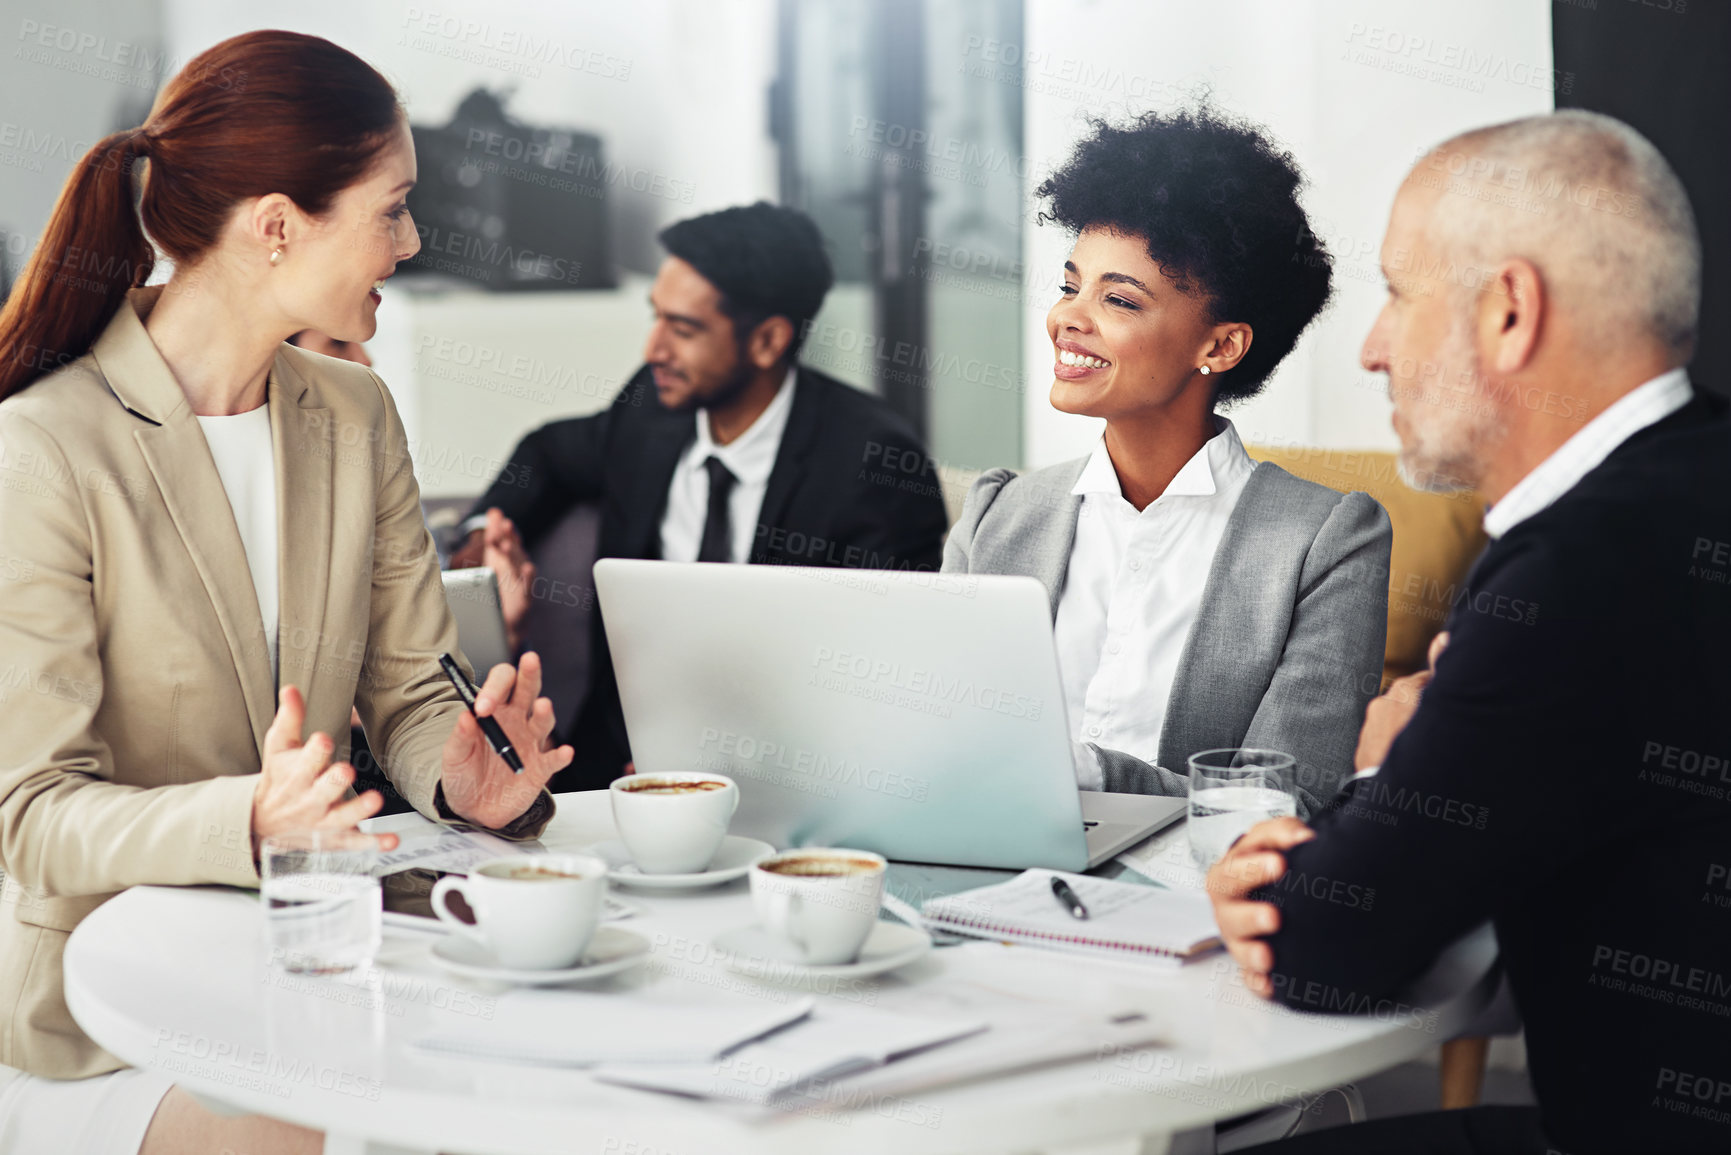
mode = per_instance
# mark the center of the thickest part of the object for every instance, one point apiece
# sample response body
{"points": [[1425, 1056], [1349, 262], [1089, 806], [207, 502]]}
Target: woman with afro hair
{"points": [[1199, 599]]}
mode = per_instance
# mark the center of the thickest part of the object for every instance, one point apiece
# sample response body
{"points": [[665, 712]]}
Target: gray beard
{"points": [[1448, 452]]}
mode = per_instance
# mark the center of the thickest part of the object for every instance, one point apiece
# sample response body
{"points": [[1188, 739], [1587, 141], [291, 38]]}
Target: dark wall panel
{"points": [[1664, 66]]}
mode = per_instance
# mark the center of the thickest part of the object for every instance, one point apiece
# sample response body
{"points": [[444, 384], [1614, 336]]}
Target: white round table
{"points": [[175, 979]]}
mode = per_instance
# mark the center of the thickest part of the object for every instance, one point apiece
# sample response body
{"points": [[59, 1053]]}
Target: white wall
{"points": [[674, 87], [677, 88], [1356, 88]]}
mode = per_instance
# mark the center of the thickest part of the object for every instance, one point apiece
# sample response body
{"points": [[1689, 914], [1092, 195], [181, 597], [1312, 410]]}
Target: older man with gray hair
{"points": [[1563, 770]]}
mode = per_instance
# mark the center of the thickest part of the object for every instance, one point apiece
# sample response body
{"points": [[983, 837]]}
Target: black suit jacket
{"points": [[1568, 776], [852, 486]]}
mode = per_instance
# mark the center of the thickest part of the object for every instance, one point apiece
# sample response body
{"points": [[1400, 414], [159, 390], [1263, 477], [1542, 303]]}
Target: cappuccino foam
{"points": [[662, 786], [821, 867], [529, 874]]}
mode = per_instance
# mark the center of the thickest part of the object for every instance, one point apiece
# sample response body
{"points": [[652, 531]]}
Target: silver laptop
{"points": [[473, 595], [919, 715]]}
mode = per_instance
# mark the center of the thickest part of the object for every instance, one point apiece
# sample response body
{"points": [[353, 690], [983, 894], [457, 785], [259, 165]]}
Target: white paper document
{"points": [[837, 1039], [1019, 1045], [1166, 859], [846, 1059], [572, 1028], [448, 849]]}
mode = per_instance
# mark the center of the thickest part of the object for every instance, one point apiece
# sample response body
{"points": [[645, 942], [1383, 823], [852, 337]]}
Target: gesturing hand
{"points": [[502, 552], [478, 785], [1254, 860], [297, 787]]}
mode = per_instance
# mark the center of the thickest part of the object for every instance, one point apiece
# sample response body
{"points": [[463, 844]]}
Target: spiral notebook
{"points": [[1125, 920]]}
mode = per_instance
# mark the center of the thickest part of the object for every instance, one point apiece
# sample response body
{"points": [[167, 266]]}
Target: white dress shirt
{"points": [[1132, 591], [246, 462], [750, 457], [1645, 405]]}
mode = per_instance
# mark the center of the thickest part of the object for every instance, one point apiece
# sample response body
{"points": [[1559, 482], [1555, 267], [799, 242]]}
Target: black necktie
{"points": [[717, 542]]}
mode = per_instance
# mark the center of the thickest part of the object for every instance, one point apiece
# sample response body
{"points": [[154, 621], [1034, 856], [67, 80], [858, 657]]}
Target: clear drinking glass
{"points": [[1232, 790], [323, 907]]}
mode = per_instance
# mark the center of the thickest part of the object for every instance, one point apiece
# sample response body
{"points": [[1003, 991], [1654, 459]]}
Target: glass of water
{"points": [[1232, 790], [323, 907]]}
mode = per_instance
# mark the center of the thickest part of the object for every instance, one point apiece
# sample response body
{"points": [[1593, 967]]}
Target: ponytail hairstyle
{"points": [[264, 112]]}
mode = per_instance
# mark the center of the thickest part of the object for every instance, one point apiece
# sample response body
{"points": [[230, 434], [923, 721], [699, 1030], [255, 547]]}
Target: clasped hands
{"points": [[299, 788], [1258, 859]]}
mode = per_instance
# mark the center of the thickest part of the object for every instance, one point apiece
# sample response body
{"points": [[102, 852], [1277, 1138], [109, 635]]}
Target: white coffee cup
{"points": [[821, 904], [673, 823], [532, 911]]}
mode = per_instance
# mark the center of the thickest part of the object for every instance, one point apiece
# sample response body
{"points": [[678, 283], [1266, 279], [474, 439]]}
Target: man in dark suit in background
{"points": [[1566, 773], [721, 448]]}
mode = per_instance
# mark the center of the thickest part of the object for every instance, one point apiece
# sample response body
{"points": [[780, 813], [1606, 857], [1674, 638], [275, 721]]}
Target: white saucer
{"points": [[751, 950], [736, 856], [610, 951]]}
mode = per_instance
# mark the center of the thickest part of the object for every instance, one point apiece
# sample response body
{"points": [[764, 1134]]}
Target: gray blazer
{"points": [[1287, 646]]}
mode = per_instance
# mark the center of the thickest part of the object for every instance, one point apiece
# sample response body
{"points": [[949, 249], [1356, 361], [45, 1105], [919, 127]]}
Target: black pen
{"points": [[1068, 898], [489, 726]]}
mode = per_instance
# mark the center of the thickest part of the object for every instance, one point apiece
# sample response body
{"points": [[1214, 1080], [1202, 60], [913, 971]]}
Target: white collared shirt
{"points": [[1646, 404], [750, 457], [1132, 591]]}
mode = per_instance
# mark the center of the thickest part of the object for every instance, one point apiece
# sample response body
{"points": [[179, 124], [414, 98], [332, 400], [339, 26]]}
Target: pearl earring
{"points": [[1206, 370], [275, 256]]}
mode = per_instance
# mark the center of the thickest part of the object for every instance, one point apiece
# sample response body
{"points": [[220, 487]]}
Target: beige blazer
{"points": [[135, 684]]}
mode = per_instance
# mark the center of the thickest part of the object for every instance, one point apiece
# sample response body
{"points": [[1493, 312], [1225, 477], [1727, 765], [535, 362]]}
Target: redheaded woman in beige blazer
{"points": [[214, 547]]}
